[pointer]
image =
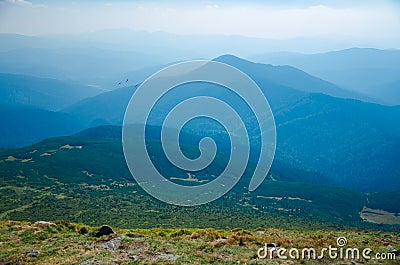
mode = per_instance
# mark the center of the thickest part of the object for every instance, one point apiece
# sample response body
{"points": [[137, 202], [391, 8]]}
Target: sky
{"points": [[261, 19]]}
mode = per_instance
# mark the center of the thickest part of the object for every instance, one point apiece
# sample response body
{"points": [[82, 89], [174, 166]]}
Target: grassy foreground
{"points": [[68, 243]]}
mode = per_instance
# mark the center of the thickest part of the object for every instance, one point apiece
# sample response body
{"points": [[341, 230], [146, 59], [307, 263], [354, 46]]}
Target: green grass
{"points": [[64, 243]]}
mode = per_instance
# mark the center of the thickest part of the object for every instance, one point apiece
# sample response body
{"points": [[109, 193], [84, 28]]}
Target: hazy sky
{"points": [[265, 19]]}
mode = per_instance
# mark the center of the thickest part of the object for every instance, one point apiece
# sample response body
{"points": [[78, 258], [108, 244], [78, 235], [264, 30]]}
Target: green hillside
{"points": [[85, 179]]}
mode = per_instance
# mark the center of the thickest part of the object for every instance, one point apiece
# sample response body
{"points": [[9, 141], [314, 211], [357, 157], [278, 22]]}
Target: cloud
{"points": [[212, 6], [19, 2]]}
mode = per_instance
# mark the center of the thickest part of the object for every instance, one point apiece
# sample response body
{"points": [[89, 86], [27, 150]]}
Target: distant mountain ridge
{"points": [[279, 82], [104, 109], [364, 70], [23, 126], [87, 65], [44, 93], [287, 76]]}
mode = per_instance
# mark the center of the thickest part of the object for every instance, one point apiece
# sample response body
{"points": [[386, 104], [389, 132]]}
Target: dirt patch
{"points": [[298, 199], [68, 146], [87, 173], [269, 197], [379, 216], [190, 178], [46, 154], [11, 159]]}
